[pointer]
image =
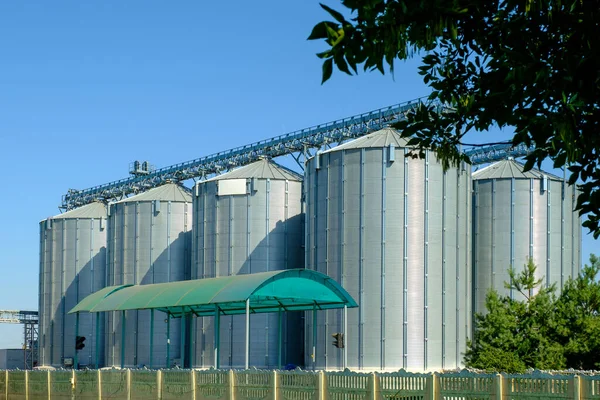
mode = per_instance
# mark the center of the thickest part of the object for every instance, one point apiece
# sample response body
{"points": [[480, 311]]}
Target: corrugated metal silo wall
{"points": [[258, 231], [147, 244], [396, 236], [515, 219], [72, 266]]}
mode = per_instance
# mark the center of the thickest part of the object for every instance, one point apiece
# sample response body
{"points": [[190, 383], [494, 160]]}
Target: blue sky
{"points": [[88, 87]]}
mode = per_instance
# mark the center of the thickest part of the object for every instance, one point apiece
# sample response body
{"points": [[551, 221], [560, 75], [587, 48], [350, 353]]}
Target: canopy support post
{"points": [[247, 332], [345, 335], [280, 339], [182, 339], [151, 335], [97, 340], [314, 338], [217, 336], [123, 321], [76, 363], [168, 340]]}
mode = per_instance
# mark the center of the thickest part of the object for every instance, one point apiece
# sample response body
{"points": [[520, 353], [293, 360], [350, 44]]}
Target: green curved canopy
{"points": [[288, 290]]}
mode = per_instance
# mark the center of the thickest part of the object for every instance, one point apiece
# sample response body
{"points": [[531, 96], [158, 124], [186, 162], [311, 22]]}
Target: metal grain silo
{"points": [[149, 240], [247, 221], [72, 266], [520, 215], [394, 231]]}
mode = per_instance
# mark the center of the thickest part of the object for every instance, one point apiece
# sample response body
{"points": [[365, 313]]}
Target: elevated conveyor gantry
{"points": [[297, 143], [29, 319]]}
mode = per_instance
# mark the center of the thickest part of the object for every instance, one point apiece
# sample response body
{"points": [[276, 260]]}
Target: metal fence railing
{"points": [[292, 385]]}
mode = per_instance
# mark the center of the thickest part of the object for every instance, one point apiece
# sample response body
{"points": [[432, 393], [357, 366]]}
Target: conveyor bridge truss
{"points": [[29, 319], [298, 144]]}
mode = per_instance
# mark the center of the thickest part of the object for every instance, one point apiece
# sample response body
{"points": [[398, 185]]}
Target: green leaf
{"points": [[327, 70], [335, 14], [319, 31]]}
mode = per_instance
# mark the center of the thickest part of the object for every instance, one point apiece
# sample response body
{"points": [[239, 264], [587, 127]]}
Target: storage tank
{"points": [[394, 232], [247, 221], [72, 266], [149, 241], [520, 215]]}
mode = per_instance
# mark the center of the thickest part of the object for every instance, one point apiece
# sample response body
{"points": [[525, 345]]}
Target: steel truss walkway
{"points": [[297, 143]]}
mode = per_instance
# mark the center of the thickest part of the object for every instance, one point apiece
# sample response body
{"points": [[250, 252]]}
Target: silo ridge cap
{"points": [[261, 169], [95, 209], [167, 192]]}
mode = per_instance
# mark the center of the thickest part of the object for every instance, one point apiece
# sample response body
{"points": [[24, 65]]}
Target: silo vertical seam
{"points": [[230, 238], [475, 253], [77, 267], [444, 214], [201, 198], [216, 239], [530, 224], [383, 239], [512, 230], [267, 232], [136, 235], [122, 255], [425, 261], [326, 245], [457, 283], [41, 301], [92, 281], [361, 250], [267, 243], [573, 219], [286, 213], [467, 245], [204, 234], [548, 237], [187, 258], [248, 215], [169, 241], [342, 248], [562, 234], [405, 267], [285, 260], [135, 314], [493, 235], [151, 247], [315, 208], [62, 290]]}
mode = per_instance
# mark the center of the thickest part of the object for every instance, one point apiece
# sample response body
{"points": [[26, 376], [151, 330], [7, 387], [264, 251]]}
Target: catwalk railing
{"points": [[297, 142], [291, 385]]}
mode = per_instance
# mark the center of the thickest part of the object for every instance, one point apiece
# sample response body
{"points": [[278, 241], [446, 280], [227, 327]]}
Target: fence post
{"points": [[73, 383], [26, 385], [99, 385], [322, 385], [231, 384], [274, 384], [159, 384], [128, 384], [576, 387], [498, 386], [374, 385], [193, 384], [49, 385], [6, 387]]}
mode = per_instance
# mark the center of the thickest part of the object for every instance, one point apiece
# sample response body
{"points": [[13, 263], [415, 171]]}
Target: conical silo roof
{"points": [[381, 138], [507, 169], [166, 192], [262, 169], [92, 210]]}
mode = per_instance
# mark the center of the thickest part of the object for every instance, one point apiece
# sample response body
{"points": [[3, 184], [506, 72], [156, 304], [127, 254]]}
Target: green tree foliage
{"points": [[542, 331], [527, 64], [515, 335], [578, 309]]}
